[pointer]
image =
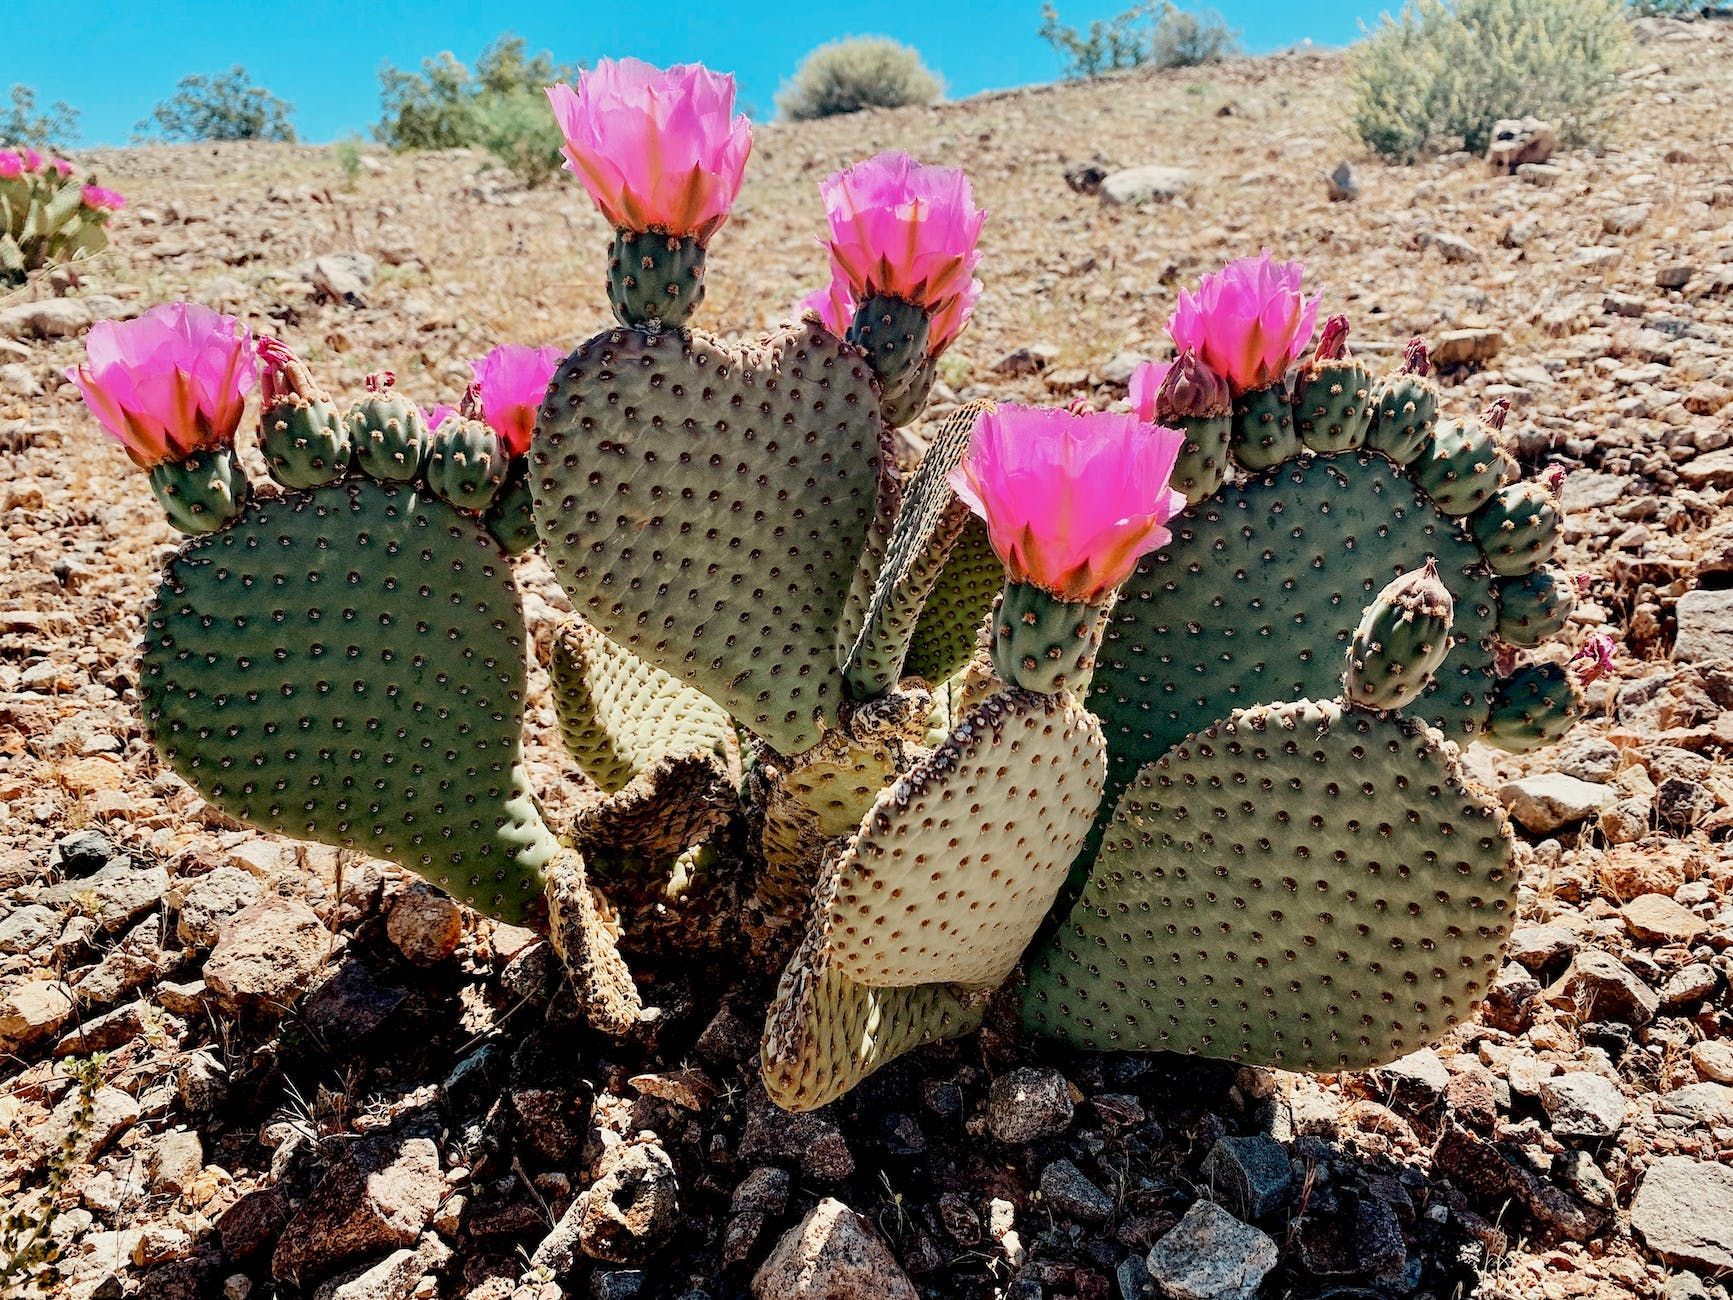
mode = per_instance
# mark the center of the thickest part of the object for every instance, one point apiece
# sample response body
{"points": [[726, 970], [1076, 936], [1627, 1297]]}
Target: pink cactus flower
{"points": [[1070, 500], [11, 164], [1248, 322], [32, 159], [1596, 658], [95, 196], [906, 230], [1146, 382], [512, 381], [61, 167], [834, 306], [657, 149], [170, 383]]}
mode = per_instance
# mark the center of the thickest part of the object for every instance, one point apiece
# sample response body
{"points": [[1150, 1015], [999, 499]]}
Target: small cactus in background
{"points": [[883, 712], [47, 214]]}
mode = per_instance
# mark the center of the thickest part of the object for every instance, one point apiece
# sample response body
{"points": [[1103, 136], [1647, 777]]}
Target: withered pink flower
{"points": [[906, 230], [658, 149], [511, 382], [1248, 322], [172, 382], [1182, 389], [1070, 500], [103, 200], [1596, 658]]}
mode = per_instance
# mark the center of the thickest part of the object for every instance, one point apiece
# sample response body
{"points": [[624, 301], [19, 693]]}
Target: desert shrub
{"points": [[1183, 39], [859, 72], [498, 106], [21, 123], [1162, 35], [1450, 69], [1111, 43], [224, 107]]}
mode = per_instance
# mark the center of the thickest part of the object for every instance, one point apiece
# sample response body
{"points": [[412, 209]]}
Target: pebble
{"points": [[1210, 1255], [1028, 1104], [1552, 801], [1684, 1212], [1585, 1105], [378, 1196], [1599, 987], [1068, 1193], [832, 1254], [267, 955], [1713, 1059], [1250, 1176]]}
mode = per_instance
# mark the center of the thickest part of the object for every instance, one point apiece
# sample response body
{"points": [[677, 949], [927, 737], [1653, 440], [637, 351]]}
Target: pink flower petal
{"points": [[1247, 322], [513, 380], [1070, 500]]}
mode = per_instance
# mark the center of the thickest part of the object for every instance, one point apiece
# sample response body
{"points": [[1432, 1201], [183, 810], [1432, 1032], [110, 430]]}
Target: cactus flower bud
{"points": [[1494, 416], [1248, 322], [658, 149], [103, 200], [510, 382], [1070, 501], [900, 229], [170, 383], [1332, 340], [1416, 360], [1164, 391]]}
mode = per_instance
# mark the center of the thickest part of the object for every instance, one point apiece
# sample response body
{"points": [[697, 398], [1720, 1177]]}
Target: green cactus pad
{"points": [[1299, 885], [346, 665], [824, 1032], [305, 442], [1402, 638], [892, 333], [619, 716], [1404, 411], [1257, 597], [1263, 428], [706, 506], [203, 492], [1518, 528], [959, 860], [1042, 643], [950, 624], [1532, 708], [1204, 463], [655, 278], [466, 464], [1333, 404], [1462, 467], [389, 435], [511, 519], [1534, 606], [930, 520]]}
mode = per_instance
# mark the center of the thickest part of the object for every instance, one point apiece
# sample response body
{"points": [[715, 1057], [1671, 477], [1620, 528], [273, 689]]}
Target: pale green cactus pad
{"points": [[1300, 885], [950, 624], [958, 861], [346, 664], [706, 505], [825, 1032], [927, 527], [619, 716]]}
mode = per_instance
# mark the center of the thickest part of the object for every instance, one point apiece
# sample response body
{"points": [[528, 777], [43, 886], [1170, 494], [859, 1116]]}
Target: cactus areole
{"points": [[862, 715]]}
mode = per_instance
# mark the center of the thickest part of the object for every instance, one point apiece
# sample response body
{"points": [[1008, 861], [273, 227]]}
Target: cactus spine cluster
{"points": [[799, 677]]}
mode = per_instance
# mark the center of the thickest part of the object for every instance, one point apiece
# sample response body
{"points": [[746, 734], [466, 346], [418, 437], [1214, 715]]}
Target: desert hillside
{"points": [[400, 1098]]}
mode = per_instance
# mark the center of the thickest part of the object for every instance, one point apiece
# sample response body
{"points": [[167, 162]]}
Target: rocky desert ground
{"points": [[317, 1077]]}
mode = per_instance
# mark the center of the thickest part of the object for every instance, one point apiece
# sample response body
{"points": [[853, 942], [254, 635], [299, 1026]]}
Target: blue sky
{"points": [[323, 56]]}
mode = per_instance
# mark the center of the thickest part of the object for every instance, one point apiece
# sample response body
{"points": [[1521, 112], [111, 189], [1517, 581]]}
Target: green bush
{"points": [[500, 106], [21, 123], [859, 72], [1162, 35], [1442, 71], [224, 107]]}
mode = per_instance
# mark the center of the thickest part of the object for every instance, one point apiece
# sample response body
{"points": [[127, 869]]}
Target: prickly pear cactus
{"points": [[1305, 885], [706, 506], [935, 897]]}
